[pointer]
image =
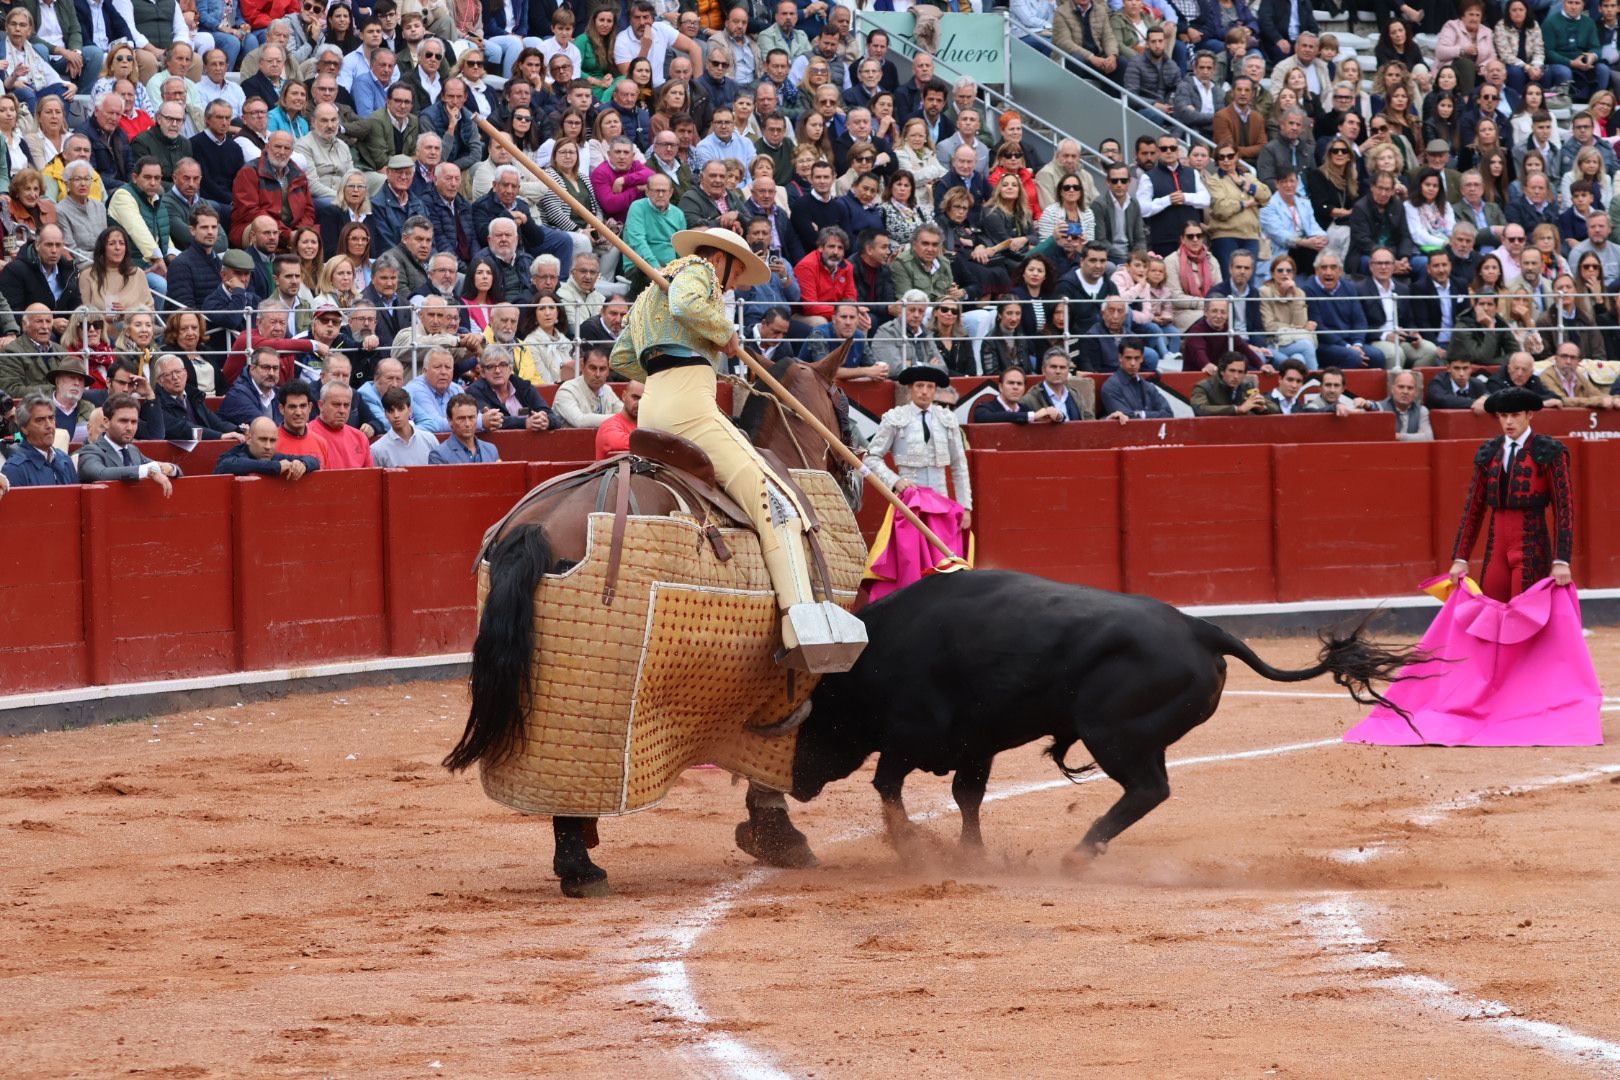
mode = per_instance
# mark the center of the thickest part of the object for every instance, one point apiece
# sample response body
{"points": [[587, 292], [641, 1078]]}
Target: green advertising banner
{"points": [[971, 45]]}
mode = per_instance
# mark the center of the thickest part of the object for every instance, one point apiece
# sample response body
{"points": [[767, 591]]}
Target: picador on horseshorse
{"points": [[673, 342]]}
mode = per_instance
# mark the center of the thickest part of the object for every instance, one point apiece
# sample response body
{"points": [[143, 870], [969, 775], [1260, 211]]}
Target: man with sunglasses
{"points": [[426, 79], [716, 81], [1118, 217], [1172, 195], [1484, 105]]}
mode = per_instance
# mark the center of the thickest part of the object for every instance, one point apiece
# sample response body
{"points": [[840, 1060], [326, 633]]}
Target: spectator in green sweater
{"points": [[1571, 40], [651, 224]]}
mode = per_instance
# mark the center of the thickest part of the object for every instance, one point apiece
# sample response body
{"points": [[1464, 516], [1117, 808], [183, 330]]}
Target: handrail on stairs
{"points": [[1146, 110]]}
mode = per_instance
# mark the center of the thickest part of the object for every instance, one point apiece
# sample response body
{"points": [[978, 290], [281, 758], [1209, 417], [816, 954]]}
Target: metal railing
{"points": [[1145, 109]]}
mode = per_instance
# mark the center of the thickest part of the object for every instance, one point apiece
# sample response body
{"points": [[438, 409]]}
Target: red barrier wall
{"points": [[310, 575], [1466, 424], [564, 444], [1056, 514], [42, 634], [198, 461], [1203, 431], [1597, 508], [433, 521], [1335, 506], [160, 577], [114, 583], [1198, 524]]}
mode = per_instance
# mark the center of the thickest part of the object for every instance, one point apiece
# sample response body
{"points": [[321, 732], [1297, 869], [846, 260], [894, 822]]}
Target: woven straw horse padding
{"points": [[671, 674]]}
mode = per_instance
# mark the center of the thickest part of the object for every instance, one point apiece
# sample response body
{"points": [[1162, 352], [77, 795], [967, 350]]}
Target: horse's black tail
{"points": [[503, 654], [1354, 662]]}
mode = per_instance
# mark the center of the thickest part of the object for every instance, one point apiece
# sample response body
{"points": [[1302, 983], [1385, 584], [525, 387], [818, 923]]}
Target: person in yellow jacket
{"points": [[672, 342]]}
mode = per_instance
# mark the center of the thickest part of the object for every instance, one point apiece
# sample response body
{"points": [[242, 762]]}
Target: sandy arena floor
{"points": [[294, 888]]}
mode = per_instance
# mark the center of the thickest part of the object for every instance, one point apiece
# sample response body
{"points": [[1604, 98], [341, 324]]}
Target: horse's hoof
{"points": [[971, 856], [786, 849], [1079, 860], [587, 888]]}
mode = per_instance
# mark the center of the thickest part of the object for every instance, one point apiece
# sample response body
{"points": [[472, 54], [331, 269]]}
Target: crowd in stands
{"points": [[289, 208]]}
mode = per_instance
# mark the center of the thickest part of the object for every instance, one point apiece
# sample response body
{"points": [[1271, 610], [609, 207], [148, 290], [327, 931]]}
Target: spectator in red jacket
{"points": [[261, 13], [620, 180], [275, 187], [270, 329], [824, 277], [1209, 339]]}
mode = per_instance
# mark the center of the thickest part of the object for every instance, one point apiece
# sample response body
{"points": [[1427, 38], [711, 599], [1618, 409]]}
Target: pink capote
{"points": [[1522, 676], [901, 554]]}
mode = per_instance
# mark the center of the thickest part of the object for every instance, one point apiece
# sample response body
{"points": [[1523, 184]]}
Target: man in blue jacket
{"points": [[37, 462], [194, 273], [1342, 336], [1126, 394]]}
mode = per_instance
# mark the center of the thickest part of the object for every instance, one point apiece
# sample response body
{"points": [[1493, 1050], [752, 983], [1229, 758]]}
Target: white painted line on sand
{"points": [[1335, 925], [671, 984], [1435, 813]]}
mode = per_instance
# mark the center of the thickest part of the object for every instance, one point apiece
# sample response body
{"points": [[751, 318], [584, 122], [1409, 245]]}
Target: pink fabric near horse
{"points": [[1503, 674], [907, 554]]}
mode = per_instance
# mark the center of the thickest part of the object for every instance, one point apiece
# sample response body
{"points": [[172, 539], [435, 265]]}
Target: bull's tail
{"points": [[1355, 662], [503, 653]]}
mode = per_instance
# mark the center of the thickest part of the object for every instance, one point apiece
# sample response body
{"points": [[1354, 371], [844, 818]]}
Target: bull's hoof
{"points": [[588, 886], [775, 842]]}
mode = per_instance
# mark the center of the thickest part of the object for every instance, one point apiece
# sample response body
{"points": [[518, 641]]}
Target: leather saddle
{"points": [[672, 450], [683, 468], [688, 459]]}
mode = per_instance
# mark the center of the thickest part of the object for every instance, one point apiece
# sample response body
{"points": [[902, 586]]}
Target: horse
{"points": [[548, 535]]}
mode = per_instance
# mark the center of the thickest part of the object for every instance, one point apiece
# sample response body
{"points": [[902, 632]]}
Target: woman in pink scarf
{"points": [[1192, 272]]}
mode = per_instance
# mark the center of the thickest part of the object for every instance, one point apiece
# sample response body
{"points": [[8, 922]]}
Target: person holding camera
{"points": [[1231, 391]]}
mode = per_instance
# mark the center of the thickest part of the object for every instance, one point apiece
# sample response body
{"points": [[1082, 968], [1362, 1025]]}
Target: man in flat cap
{"points": [[1516, 476]]}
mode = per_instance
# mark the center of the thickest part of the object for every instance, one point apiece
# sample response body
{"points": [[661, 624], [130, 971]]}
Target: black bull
{"points": [[963, 666]]}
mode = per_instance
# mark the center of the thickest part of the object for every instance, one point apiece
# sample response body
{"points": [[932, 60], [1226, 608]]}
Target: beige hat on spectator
{"points": [[399, 161], [754, 270]]}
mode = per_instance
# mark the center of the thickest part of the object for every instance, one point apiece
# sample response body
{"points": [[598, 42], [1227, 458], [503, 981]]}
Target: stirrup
{"points": [[820, 638]]}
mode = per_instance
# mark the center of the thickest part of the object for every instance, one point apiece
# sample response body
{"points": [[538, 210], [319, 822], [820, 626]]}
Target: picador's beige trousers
{"points": [[682, 402]]}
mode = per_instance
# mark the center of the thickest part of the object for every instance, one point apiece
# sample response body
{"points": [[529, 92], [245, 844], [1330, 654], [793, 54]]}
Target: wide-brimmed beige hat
{"points": [[754, 270]]}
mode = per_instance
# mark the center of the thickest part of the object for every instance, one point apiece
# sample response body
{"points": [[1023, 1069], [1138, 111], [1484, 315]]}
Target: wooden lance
{"points": [[756, 363]]}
